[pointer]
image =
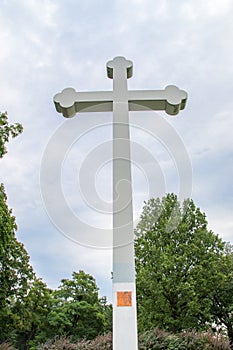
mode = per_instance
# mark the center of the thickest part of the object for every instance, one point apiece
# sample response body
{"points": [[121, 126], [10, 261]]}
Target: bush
{"points": [[102, 342], [160, 340], [58, 344], [6, 346], [155, 339]]}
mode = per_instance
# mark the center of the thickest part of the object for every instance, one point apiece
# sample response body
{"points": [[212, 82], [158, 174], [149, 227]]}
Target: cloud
{"points": [[207, 10]]}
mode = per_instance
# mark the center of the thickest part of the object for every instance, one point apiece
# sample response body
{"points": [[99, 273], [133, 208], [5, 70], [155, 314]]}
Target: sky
{"points": [[47, 46]]}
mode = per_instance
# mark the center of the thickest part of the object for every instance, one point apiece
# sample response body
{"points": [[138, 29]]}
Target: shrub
{"points": [[155, 339], [160, 340], [102, 342], [58, 344], [6, 346]]}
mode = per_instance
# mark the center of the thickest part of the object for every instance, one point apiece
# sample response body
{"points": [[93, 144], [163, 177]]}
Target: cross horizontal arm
{"points": [[171, 100], [69, 102]]}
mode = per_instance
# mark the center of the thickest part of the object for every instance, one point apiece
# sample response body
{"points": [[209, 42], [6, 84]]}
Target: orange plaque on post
{"points": [[124, 298]]}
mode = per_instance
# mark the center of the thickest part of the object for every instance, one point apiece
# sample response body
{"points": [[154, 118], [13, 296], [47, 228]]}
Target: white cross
{"points": [[120, 101], [171, 99]]}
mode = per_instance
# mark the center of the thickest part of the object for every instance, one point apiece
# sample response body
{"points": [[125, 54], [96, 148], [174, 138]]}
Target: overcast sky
{"points": [[46, 46]]}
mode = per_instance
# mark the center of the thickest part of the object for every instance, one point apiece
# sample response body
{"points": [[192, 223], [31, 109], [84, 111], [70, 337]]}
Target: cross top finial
{"points": [[119, 64]]}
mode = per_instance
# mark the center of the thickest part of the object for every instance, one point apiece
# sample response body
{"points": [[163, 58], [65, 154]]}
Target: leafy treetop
{"points": [[6, 131]]}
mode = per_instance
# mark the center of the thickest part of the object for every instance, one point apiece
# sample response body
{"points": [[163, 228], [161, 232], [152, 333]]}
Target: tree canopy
{"points": [[6, 131], [16, 273], [76, 308], [178, 264], [222, 307]]}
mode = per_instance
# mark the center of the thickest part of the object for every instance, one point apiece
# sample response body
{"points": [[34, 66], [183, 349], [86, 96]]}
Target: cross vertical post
{"points": [[124, 289], [120, 101]]}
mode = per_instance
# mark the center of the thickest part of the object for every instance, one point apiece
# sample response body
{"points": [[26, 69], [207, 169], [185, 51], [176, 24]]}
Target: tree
{"points": [[177, 264], [15, 270], [16, 274], [31, 315], [6, 131], [222, 307], [76, 309]]}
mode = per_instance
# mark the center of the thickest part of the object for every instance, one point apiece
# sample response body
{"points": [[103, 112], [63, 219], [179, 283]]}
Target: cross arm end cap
{"points": [[176, 99], [65, 102]]}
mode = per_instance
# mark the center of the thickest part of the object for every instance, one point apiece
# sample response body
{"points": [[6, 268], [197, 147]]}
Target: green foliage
{"points": [[107, 312], [6, 131], [76, 310], [15, 270], [31, 315], [222, 307], [178, 266]]}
